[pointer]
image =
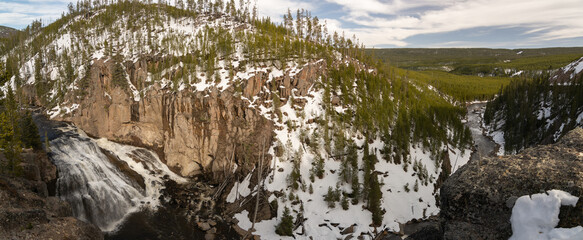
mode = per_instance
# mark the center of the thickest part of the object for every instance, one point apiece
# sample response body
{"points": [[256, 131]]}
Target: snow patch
{"points": [[498, 137], [517, 73], [576, 67], [536, 216], [240, 190]]}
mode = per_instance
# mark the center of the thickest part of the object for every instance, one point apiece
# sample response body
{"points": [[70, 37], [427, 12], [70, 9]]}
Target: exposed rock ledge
{"points": [[477, 200], [192, 131]]}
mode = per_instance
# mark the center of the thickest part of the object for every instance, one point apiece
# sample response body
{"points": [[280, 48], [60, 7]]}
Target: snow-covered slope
{"points": [[323, 222]]}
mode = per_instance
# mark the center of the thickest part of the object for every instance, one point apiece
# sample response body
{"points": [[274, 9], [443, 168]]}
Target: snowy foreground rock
{"points": [[477, 201], [536, 216]]}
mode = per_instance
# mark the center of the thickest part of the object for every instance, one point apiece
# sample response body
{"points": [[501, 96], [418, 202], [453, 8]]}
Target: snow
{"points": [[62, 110], [54, 112], [400, 206], [544, 112], [498, 137], [576, 67], [265, 227], [98, 54], [240, 190], [517, 73], [458, 158], [518, 53], [559, 132], [536, 216], [579, 118]]}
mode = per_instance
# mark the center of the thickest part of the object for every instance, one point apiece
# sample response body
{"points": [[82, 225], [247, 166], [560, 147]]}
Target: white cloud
{"points": [[363, 7], [20, 14], [557, 19], [276, 8]]}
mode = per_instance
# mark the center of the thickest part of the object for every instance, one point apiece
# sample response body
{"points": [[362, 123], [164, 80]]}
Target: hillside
{"points": [[537, 111], [222, 95], [6, 31]]}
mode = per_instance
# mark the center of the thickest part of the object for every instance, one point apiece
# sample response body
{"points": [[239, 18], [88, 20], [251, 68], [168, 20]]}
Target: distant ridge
{"points": [[6, 31]]}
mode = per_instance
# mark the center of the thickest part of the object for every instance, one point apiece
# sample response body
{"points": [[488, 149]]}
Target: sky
{"points": [[401, 23]]}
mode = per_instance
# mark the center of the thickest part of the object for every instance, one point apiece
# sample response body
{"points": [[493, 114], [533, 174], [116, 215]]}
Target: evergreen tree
{"points": [[352, 159], [318, 167], [119, 74], [329, 198], [30, 137], [344, 203], [367, 170], [285, 227], [9, 134], [295, 175], [374, 201]]}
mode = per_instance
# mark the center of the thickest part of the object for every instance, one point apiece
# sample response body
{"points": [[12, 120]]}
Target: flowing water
{"points": [[484, 146], [103, 181]]}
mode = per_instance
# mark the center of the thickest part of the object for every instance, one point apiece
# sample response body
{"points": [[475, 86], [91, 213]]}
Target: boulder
{"points": [[477, 200], [203, 226]]}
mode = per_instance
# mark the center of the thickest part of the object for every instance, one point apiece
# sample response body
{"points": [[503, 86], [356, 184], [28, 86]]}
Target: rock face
{"points": [[27, 209], [193, 131], [477, 200]]}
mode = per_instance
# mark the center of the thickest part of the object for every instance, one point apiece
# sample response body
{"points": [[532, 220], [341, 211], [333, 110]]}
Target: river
{"points": [[483, 145]]}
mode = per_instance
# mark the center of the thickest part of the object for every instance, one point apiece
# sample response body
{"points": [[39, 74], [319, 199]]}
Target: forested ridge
{"points": [[538, 110]]}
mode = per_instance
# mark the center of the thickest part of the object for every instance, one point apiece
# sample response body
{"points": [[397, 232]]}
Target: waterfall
{"points": [[105, 181]]}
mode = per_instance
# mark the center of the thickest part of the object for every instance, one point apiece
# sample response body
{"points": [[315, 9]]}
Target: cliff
{"points": [[477, 200], [193, 131]]}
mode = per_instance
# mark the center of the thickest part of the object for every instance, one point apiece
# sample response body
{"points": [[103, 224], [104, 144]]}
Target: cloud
{"points": [[20, 14], [551, 20], [276, 8]]}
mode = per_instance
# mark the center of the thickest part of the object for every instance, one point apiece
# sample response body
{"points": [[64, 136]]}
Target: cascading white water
{"points": [[98, 191]]}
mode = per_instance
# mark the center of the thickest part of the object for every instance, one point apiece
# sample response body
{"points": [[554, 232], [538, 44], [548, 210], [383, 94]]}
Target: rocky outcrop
{"points": [[28, 208], [193, 132], [477, 200]]}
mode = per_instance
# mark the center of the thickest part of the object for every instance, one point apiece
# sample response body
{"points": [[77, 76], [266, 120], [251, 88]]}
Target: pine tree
{"points": [[30, 137], [9, 144], [295, 175], [367, 170], [374, 201], [352, 159], [318, 167], [119, 74], [285, 227], [329, 198], [9, 134], [344, 203]]}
